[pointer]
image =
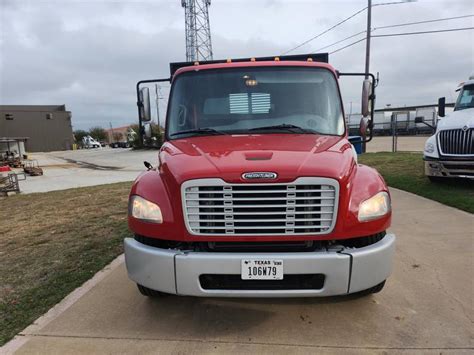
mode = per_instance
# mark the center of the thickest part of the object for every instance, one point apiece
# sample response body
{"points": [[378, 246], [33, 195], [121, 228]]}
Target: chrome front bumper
{"points": [[346, 270], [450, 168]]}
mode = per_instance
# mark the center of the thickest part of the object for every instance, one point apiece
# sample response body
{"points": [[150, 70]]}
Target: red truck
{"points": [[258, 192]]}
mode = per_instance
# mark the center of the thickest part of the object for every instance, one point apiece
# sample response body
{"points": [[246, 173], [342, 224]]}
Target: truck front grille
{"points": [[306, 206], [456, 142]]}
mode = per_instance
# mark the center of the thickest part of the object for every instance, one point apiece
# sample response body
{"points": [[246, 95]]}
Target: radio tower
{"points": [[198, 32]]}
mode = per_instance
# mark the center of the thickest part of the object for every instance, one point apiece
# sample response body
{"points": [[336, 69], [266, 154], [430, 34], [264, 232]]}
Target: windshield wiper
{"points": [[205, 130], [285, 127]]}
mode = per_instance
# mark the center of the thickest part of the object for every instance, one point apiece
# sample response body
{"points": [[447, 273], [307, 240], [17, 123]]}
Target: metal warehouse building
{"points": [[48, 127]]}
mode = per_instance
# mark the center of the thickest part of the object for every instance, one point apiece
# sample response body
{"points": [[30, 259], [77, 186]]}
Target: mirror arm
{"points": [[427, 124]]}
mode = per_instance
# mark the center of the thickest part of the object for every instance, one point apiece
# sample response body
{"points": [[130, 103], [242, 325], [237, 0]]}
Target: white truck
{"points": [[450, 151], [88, 142]]}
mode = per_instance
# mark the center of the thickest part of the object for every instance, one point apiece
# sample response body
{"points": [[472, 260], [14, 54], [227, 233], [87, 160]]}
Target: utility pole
{"points": [[367, 41], [197, 31], [112, 139]]}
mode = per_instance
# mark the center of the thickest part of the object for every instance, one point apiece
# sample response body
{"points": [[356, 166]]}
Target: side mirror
{"points": [[147, 129], [419, 119], [366, 90], [363, 126], [147, 165], [145, 107], [441, 106]]}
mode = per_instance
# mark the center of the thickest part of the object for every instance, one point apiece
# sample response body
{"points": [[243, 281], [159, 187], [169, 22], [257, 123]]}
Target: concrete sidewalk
{"points": [[426, 307]]}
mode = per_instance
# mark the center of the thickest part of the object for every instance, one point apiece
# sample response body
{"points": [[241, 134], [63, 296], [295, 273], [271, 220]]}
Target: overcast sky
{"points": [[89, 54]]}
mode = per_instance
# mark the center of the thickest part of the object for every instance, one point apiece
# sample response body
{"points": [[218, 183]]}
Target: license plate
{"points": [[262, 269]]}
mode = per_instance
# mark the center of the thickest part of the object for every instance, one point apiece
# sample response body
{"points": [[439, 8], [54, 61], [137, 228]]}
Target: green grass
{"points": [[405, 171], [51, 243]]}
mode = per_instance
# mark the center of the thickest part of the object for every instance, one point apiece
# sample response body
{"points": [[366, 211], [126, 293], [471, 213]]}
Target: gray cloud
{"points": [[89, 54]]}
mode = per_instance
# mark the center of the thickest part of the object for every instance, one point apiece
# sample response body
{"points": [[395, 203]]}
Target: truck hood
{"points": [[457, 119], [229, 156]]}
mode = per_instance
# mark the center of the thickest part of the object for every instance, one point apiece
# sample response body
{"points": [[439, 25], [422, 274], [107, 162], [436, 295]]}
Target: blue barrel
{"points": [[357, 143]]}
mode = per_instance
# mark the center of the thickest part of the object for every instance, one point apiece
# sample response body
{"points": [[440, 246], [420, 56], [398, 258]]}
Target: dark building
{"points": [[47, 127]]}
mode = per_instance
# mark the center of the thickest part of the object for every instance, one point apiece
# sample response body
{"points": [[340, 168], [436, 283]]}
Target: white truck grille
{"points": [[456, 141], [302, 207]]}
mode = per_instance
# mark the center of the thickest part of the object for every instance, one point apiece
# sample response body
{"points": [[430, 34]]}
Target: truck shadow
{"points": [[196, 317], [200, 318]]}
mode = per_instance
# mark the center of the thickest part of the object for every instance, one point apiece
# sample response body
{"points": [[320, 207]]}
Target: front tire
{"points": [[145, 291]]}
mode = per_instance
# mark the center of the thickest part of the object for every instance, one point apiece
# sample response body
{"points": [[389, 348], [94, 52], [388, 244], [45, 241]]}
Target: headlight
{"points": [[429, 148], [375, 207], [140, 208]]}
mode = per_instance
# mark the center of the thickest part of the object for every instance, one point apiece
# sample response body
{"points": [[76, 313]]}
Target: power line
{"points": [[349, 45], [393, 3], [420, 22], [342, 40], [345, 20], [424, 32], [404, 34], [390, 26], [324, 32]]}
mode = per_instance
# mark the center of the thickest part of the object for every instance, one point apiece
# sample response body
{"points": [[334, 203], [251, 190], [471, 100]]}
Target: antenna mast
{"points": [[198, 32]]}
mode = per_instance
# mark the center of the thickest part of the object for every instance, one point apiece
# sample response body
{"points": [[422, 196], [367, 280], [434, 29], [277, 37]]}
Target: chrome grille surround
{"points": [[306, 206], [456, 142]]}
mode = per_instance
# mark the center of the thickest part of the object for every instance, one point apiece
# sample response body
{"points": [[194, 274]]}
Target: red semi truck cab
{"points": [[258, 192]]}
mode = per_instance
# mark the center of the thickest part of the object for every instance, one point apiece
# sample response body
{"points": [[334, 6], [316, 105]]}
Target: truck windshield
{"points": [[255, 101], [465, 98]]}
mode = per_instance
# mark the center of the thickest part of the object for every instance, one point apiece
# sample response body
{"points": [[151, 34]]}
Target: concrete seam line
{"points": [[22, 337], [204, 341], [430, 200]]}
